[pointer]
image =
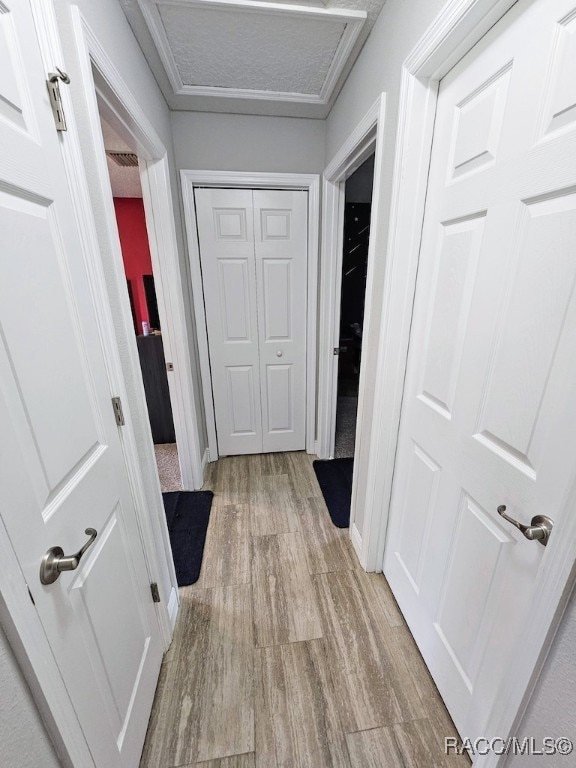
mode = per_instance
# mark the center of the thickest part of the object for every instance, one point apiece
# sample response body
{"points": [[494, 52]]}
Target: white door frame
{"points": [[239, 180], [121, 110], [458, 27], [366, 139], [18, 616], [93, 62]]}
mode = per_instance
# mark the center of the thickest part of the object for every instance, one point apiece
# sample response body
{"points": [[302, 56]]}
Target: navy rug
{"points": [[187, 515], [335, 480]]}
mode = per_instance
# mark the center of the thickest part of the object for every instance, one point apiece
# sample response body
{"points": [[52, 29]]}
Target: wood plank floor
{"points": [[286, 653]]}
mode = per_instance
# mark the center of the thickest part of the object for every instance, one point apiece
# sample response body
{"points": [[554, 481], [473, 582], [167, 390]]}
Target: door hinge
{"points": [[337, 350], [118, 412], [56, 98], [169, 366], [155, 592]]}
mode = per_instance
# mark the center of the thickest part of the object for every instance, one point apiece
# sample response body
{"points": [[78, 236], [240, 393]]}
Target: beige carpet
{"points": [[168, 467]]}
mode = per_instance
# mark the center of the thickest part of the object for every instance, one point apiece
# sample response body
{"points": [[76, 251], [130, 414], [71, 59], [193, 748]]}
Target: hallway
{"points": [[286, 653]]}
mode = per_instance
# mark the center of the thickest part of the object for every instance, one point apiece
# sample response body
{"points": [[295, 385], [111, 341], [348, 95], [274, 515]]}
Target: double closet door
{"points": [[253, 252]]}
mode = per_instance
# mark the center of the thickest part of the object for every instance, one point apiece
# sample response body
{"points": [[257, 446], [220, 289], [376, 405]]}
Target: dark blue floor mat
{"points": [[187, 515], [335, 480]]}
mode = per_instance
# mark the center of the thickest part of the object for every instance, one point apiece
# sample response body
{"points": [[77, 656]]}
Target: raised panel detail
{"points": [[41, 333], [275, 224], [11, 107], [230, 223], [105, 571], [417, 512], [280, 398], [277, 289], [541, 285], [241, 399], [478, 123], [456, 262], [234, 299], [562, 88], [475, 553]]}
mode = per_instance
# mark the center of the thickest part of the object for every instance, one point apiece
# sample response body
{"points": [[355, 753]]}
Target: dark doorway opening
{"points": [[356, 239]]}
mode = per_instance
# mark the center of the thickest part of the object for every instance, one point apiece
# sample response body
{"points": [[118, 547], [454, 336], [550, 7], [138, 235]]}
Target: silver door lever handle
{"points": [[539, 529], [55, 561]]}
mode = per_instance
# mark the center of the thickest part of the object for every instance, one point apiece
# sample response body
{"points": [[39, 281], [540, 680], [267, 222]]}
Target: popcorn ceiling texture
{"points": [[257, 51], [261, 57]]}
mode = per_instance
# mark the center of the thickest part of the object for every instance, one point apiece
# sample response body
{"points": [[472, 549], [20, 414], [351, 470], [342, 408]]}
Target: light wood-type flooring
{"points": [[286, 653]]}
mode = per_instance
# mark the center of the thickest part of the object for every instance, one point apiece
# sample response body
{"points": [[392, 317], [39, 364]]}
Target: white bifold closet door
{"points": [[253, 252]]}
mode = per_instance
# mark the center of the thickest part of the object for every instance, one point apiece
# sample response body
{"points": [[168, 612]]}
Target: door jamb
{"points": [[238, 180], [94, 64], [366, 139], [127, 117], [458, 27]]}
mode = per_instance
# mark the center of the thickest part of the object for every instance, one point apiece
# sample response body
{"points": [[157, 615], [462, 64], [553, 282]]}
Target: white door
{"points": [[253, 251], [61, 465], [488, 416]]}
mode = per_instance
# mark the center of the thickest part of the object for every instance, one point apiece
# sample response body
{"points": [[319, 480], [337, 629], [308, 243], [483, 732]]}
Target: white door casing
{"points": [[61, 465], [487, 415], [253, 251]]}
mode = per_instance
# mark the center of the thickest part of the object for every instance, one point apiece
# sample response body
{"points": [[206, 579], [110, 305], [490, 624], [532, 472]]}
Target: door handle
{"points": [[55, 561], [539, 529]]}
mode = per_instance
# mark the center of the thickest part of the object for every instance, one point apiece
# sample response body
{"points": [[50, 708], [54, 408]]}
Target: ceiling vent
{"points": [[125, 159]]}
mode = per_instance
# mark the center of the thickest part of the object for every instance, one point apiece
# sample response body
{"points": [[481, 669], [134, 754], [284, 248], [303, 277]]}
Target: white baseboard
{"points": [[173, 605], [356, 542], [205, 461]]}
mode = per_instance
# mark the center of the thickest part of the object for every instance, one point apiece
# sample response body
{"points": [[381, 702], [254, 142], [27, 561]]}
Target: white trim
{"points": [[239, 179], [205, 459], [127, 117], [173, 605], [365, 139], [356, 539], [460, 25], [354, 21], [149, 511]]}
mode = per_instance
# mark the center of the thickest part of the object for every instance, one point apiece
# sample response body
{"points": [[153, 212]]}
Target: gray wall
{"points": [[551, 711], [24, 742], [221, 142]]}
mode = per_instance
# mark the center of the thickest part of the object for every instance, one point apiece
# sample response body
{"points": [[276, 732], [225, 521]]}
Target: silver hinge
{"points": [[169, 366], [55, 97], [155, 592], [118, 412], [336, 350]]}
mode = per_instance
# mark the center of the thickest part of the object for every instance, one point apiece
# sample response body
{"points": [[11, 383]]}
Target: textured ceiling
{"points": [[281, 58], [232, 49], [125, 182]]}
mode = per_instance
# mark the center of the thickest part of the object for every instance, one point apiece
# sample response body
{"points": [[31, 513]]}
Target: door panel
{"points": [[281, 237], [253, 251], [58, 429], [487, 415], [226, 236]]}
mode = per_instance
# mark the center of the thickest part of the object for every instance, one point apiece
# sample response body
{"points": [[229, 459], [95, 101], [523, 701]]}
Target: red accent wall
{"points": [[135, 249]]}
